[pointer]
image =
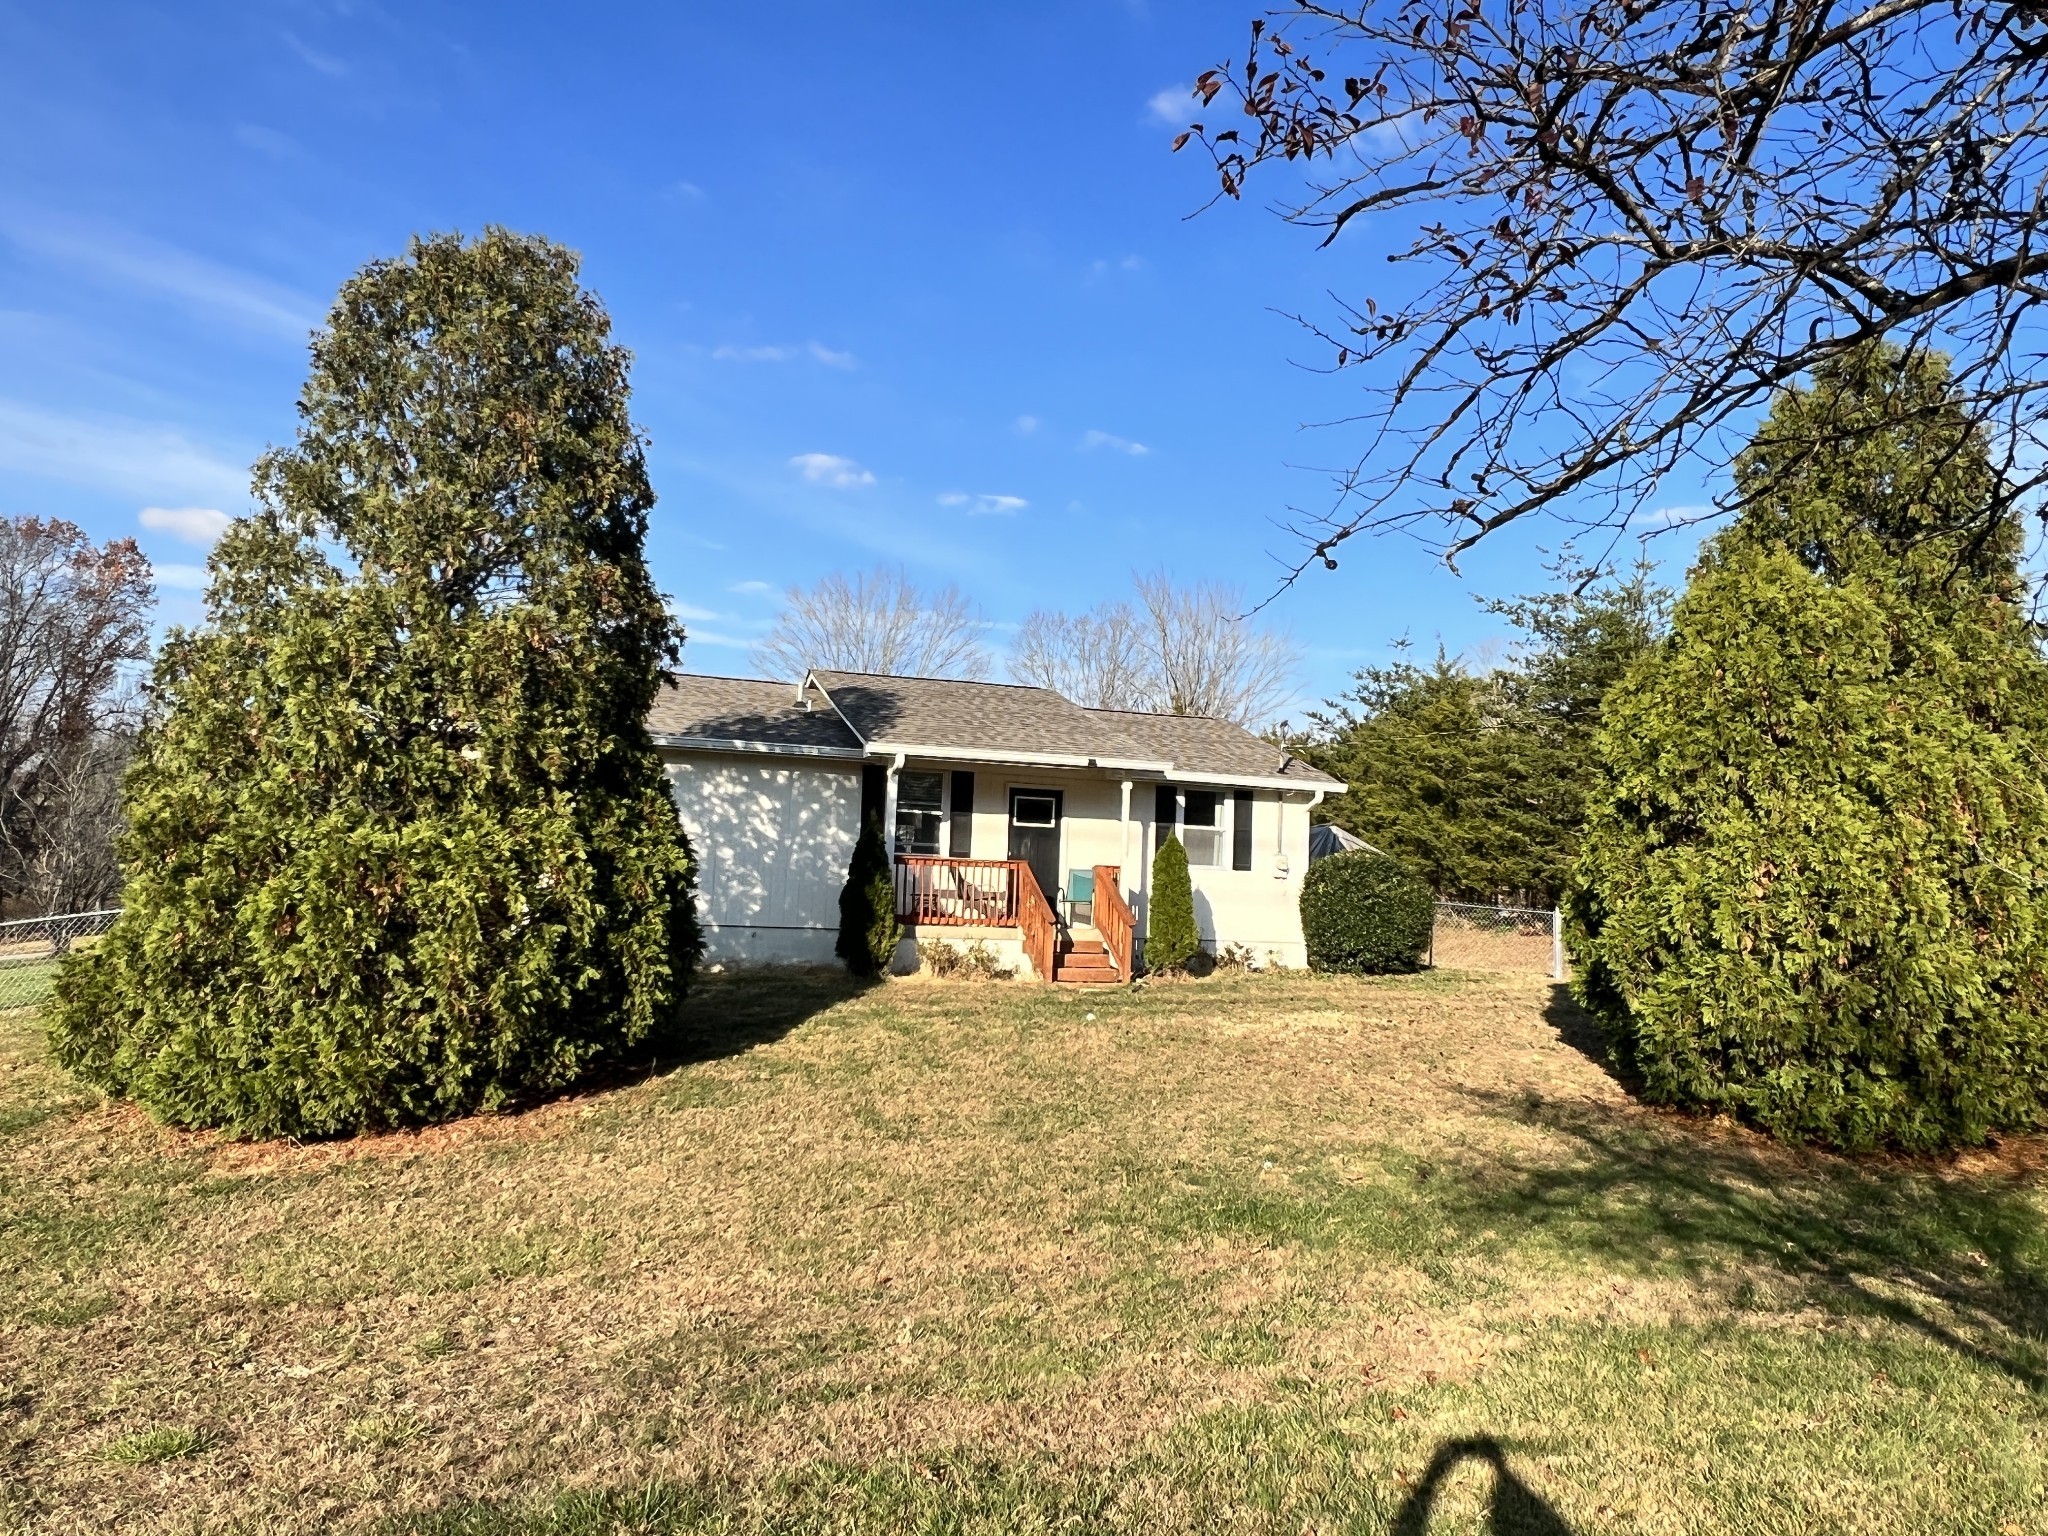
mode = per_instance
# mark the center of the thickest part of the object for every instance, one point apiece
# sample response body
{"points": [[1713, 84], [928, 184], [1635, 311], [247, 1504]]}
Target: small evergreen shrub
{"points": [[868, 930], [1363, 912], [1171, 940]]}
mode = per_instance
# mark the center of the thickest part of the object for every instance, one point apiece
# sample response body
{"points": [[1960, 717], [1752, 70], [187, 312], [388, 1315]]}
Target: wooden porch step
{"points": [[1086, 963]]}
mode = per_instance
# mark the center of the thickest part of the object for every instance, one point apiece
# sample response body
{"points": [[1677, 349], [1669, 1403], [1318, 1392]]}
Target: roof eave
{"points": [[1019, 757], [744, 744]]}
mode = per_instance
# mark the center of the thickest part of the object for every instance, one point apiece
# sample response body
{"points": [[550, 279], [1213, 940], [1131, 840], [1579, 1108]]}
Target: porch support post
{"points": [[1124, 872], [889, 808]]}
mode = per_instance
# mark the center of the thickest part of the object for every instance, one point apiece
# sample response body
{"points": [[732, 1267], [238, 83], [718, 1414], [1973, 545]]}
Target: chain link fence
{"points": [[1470, 937], [30, 948]]}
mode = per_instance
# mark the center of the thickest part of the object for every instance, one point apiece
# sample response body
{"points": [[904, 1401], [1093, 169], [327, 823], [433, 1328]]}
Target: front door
{"points": [[1035, 837]]}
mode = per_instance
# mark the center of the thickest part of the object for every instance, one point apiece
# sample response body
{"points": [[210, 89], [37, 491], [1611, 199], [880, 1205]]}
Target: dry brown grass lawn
{"points": [[1237, 1254]]}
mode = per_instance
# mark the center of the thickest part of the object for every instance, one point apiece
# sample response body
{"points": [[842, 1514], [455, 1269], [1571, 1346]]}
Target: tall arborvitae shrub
{"points": [[868, 931], [1171, 937], [1814, 887], [399, 846]]}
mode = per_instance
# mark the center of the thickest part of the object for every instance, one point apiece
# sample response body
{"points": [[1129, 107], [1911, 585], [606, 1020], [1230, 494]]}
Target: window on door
{"points": [[1200, 832], [920, 808], [1034, 811]]}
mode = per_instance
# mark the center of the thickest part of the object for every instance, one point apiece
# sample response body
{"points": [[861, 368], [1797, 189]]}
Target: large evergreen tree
{"points": [[1815, 881], [399, 845], [1477, 780]]}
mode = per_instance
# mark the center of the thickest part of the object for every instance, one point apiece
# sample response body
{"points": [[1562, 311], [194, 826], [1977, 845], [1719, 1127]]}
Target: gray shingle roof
{"points": [[1198, 744], [746, 709], [975, 717], [949, 715]]}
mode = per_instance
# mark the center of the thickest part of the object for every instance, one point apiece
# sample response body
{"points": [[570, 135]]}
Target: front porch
{"points": [[1070, 942]]}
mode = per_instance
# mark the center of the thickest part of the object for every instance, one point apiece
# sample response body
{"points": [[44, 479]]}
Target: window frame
{"points": [[1209, 852], [935, 811]]}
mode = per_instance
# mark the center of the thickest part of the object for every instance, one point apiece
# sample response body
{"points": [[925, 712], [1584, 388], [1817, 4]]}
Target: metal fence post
{"points": [[1557, 944]]}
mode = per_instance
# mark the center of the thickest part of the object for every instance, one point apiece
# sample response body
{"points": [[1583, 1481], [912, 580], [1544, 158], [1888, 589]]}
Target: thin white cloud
{"points": [[326, 63], [829, 356], [126, 261], [1103, 267], [195, 525], [750, 588], [186, 578], [266, 141], [1026, 424], [1175, 106], [1092, 439], [147, 461], [683, 191], [752, 354], [692, 611], [830, 469], [984, 505], [712, 637]]}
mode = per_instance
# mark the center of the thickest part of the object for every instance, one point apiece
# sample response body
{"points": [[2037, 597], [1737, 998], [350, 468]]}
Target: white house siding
{"points": [[1259, 908], [773, 836]]}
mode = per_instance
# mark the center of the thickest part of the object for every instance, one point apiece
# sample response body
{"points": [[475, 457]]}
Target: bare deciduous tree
{"points": [[1636, 219], [1180, 650], [878, 621], [1096, 659], [73, 615]]}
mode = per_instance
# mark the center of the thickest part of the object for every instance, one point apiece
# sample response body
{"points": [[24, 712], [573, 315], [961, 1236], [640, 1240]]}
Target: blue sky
{"points": [[906, 283]]}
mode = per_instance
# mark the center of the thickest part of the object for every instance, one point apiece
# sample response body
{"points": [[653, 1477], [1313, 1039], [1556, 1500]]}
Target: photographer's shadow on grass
{"points": [[1513, 1508]]}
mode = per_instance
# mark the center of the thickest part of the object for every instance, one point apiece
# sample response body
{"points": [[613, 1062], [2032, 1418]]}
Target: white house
{"points": [[1015, 816]]}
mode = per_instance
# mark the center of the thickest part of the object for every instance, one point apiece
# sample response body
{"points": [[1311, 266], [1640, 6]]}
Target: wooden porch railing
{"points": [[1040, 933], [1113, 919], [957, 892]]}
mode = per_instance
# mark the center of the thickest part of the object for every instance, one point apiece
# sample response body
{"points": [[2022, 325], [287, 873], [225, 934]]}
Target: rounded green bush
{"points": [[1364, 912]]}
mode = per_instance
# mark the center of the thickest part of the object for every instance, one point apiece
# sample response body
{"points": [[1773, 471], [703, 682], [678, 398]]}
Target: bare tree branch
{"points": [[1636, 219], [1179, 650], [72, 616], [878, 621]]}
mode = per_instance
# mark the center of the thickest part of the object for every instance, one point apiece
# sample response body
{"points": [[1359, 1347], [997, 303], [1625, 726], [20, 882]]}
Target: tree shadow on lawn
{"points": [[729, 1013], [1576, 1028], [1954, 1252]]}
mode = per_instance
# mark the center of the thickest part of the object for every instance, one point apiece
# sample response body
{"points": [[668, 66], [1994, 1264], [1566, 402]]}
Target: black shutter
{"points": [[1164, 814], [874, 795], [1241, 829], [963, 816]]}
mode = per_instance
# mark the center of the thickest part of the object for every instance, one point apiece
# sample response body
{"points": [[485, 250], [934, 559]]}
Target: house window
{"points": [[1199, 832], [920, 806], [1034, 811]]}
